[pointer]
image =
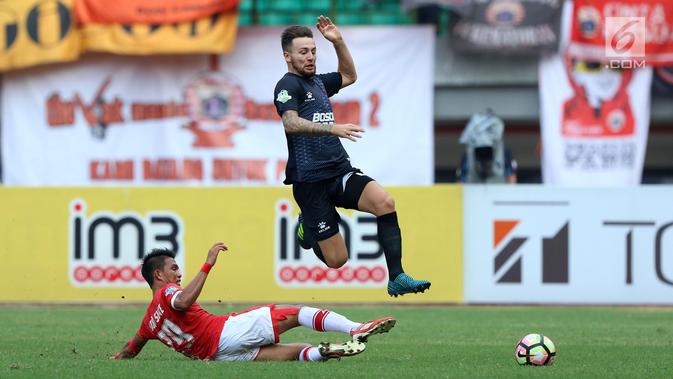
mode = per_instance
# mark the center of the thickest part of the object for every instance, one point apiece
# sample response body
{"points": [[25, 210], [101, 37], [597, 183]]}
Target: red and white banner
{"points": [[113, 120], [638, 32], [594, 121]]}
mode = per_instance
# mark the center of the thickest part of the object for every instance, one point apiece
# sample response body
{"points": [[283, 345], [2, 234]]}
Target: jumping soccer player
{"points": [[174, 318], [318, 166]]}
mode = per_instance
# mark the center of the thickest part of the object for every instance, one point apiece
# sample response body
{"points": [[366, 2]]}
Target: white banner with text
{"points": [[594, 122], [191, 120]]}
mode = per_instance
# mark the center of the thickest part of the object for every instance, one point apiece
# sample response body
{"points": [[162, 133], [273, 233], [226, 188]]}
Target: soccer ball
{"points": [[535, 349]]}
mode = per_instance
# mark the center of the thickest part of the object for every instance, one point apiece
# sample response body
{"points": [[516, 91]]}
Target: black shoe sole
{"points": [[420, 289]]}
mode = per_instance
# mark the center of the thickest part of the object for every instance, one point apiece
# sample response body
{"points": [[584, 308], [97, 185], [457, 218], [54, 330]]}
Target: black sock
{"points": [[390, 239]]}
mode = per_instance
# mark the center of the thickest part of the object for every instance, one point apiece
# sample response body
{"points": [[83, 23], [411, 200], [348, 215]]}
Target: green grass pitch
{"points": [[427, 342]]}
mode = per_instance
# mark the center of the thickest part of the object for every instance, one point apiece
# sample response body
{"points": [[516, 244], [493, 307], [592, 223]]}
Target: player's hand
{"points": [[350, 131], [214, 251], [116, 356], [328, 29]]}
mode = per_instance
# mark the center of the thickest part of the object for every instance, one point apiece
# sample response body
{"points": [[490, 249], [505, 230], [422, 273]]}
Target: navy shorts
{"points": [[318, 201]]}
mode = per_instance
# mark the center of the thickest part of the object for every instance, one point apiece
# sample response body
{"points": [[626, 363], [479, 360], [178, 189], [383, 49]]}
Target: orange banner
{"points": [[37, 32], [214, 34], [148, 11]]}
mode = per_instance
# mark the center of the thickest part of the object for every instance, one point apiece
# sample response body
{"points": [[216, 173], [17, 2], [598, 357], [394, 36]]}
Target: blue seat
{"points": [[272, 19], [320, 6], [244, 19], [245, 5], [263, 5], [379, 18], [352, 18], [389, 5], [353, 5], [309, 19], [286, 5]]}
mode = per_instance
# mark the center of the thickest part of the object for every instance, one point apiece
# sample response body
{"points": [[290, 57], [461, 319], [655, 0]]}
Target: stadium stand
{"points": [[356, 12]]}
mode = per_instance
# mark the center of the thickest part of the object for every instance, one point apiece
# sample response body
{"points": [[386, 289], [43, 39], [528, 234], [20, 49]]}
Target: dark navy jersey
{"points": [[311, 158]]}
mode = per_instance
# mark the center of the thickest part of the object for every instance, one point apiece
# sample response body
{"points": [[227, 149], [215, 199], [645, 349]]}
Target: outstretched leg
{"points": [[286, 317], [262, 326], [375, 200], [323, 320]]}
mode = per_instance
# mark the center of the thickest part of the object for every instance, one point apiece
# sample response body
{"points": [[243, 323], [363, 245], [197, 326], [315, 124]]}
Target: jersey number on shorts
{"points": [[174, 337]]}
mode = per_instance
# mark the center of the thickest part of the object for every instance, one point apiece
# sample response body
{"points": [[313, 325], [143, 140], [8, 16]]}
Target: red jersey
{"points": [[194, 332]]}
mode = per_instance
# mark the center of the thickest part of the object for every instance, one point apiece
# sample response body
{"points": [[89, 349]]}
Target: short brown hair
{"points": [[292, 32]]}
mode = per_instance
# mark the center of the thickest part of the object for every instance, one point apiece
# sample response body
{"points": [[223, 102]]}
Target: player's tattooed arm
{"points": [[296, 125]]}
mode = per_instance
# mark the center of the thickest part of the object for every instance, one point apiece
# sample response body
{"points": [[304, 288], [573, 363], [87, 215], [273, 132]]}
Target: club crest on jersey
{"points": [[283, 96], [309, 96], [170, 290]]}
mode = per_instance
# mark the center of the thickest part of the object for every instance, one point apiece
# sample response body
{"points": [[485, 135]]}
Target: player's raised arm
{"points": [[191, 292], [294, 124], [346, 66], [131, 348]]}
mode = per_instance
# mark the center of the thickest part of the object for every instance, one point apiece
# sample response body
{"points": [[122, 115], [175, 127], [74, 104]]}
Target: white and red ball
{"points": [[535, 349]]}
